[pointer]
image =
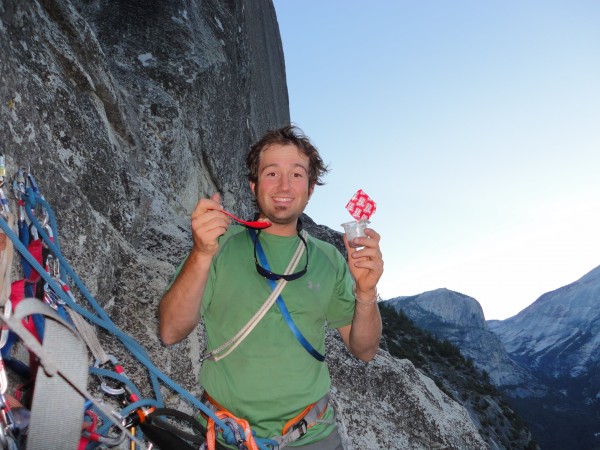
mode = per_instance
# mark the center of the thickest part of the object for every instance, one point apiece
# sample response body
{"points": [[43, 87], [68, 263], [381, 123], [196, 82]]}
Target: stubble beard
{"points": [[275, 215], [279, 219]]}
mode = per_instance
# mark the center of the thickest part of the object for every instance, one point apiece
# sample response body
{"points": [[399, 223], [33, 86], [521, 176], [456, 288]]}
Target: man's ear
{"points": [[253, 188], [310, 192]]}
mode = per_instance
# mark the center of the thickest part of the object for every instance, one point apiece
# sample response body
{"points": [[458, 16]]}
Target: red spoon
{"points": [[256, 224]]}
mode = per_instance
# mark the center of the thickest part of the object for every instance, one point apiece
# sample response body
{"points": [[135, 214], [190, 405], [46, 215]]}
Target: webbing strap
{"points": [[62, 382], [88, 333], [299, 428], [281, 304], [226, 348], [48, 428]]}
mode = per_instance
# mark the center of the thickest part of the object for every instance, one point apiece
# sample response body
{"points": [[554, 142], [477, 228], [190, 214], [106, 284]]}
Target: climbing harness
{"points": [[293, 429], [297, 427]]}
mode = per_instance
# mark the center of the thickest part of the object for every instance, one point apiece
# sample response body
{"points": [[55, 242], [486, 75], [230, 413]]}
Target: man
{"points": [[271, 374]]}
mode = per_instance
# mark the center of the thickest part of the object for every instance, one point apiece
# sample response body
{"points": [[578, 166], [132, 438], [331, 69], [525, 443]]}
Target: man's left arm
{"points": [[362, 336]]}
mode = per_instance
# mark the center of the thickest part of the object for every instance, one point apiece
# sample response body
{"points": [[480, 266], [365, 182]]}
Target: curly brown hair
{"points": [[289, 134]]}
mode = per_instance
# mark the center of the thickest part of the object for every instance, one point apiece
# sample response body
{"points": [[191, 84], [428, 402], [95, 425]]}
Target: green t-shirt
{"points": [[270, 377]]}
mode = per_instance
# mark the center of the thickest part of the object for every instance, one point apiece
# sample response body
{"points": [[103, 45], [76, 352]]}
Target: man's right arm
{"points": [[179, 309]]}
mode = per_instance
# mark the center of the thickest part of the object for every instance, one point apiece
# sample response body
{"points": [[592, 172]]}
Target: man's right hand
{"points": [[208, 223]]}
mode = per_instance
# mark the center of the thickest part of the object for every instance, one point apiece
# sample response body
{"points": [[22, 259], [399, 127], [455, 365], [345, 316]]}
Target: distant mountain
{"points": [[558, 339], [459, 319], [546, 359], [559, 334]]}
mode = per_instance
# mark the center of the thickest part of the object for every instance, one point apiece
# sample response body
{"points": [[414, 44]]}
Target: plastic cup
{"points": [[355, 229]]}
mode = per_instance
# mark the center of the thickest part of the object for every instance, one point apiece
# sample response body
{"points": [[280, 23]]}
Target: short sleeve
{"points": [[341, 308]]}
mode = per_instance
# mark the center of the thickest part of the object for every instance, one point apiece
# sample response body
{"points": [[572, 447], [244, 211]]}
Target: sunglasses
{"points": [[277, 276]]}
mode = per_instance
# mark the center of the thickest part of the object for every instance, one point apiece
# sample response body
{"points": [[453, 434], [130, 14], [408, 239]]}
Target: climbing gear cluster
{"points": [[40, 313]]}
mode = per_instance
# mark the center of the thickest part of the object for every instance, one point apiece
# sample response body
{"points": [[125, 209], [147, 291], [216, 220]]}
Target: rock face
{"points": [[388, 404], [127, 113]]}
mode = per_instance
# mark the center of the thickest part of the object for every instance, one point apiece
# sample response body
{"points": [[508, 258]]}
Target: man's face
{"points": [[282, 190]]}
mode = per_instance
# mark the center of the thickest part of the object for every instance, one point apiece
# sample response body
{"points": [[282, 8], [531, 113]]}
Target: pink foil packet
{"points": [[361, 206]]}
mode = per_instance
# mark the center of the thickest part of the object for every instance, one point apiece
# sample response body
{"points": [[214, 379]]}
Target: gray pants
{"points": [[331, 442]]}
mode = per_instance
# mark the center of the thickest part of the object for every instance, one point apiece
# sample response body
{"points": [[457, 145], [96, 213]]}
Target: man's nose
{"points": [[284, 183]]}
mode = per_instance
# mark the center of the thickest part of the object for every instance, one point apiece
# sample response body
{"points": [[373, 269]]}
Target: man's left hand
{"points": [[366, 263]]}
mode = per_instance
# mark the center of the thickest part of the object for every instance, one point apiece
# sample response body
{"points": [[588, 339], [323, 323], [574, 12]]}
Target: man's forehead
{"points": [[277, 155]]}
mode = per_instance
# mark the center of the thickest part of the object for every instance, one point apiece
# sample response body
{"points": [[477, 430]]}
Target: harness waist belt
{"points": [[294, 428]]}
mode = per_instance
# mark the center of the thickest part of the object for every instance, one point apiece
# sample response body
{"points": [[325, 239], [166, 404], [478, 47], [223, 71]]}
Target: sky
{"points": [[475, 127]]}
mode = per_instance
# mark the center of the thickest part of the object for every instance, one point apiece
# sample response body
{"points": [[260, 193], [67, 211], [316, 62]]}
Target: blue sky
{"points": [[475, 126]]}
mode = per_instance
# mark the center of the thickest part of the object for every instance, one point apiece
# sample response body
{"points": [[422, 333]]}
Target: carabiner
{"points": [[66, 289], [50, 297], [2, 170], [18, 186], [4, 209], [3, 379], [34, 187], [105, 387], [4, 330], [53, 266]]}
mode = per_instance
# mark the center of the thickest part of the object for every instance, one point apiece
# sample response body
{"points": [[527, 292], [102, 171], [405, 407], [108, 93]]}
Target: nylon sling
{"points": [[226, 348], [281, 304]]}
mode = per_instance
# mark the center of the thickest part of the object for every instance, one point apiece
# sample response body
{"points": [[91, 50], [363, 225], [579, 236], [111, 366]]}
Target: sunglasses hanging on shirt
{"points": [[278, 276]]}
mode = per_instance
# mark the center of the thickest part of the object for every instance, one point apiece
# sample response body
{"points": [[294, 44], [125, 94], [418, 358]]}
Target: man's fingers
{"points": [[207, 204]]}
